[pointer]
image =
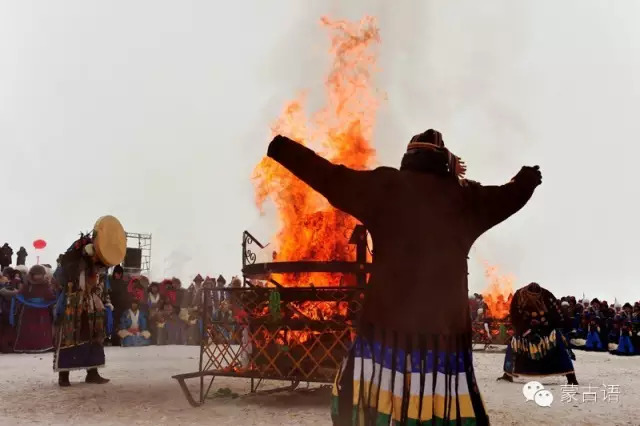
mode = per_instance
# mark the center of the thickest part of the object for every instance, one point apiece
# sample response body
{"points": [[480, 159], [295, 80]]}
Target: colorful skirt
{"points": [[538, 356], [383, 384], [80, 356], [79, 340]]}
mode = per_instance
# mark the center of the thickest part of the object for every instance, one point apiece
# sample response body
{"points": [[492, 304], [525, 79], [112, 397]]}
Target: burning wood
{"points": [[498, 293]]}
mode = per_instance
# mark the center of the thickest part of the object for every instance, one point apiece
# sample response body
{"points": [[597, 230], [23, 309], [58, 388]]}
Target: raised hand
{"points": [[530, 175], [280, 138]]}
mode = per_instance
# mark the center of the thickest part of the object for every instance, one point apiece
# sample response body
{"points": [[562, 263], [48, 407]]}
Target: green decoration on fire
{"points": [[274, 305]]}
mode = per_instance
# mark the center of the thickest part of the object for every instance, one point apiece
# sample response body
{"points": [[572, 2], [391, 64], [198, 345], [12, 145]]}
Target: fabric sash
{"points": [[33, 302]]}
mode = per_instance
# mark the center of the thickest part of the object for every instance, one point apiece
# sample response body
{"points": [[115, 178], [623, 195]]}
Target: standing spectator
{"points": [[195, 288], [34, 317], [169, 293], [119, 299], [21, 256], [6, 253], [136, 289], [182, 301], [7, 291], [154, 306], [220, 283]]}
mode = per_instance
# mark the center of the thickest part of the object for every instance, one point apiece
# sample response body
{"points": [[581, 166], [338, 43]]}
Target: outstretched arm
{"points": [[351, 191], [492, 205]]}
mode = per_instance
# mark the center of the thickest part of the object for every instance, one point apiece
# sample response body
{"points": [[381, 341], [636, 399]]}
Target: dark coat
{"points": [[6, 253], [422, 226], [21, 256], [119, 297]]}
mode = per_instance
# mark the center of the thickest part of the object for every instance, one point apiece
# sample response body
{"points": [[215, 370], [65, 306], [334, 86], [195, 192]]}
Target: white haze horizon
{"points": [[157, 112]]}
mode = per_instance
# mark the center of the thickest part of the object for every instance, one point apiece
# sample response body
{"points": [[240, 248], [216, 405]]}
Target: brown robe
{"points": [[533, 302], [422, 226]]}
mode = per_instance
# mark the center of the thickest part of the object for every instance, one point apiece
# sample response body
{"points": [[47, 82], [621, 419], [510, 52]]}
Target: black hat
{"points": [[221, 279], [429, 139]]}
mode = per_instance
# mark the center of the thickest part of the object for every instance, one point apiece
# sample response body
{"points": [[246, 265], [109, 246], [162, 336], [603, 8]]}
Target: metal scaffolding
{"points": [[142, 242]]}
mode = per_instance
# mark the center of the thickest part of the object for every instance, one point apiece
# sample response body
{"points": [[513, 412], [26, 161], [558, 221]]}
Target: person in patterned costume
{"points": [[538, 347]]}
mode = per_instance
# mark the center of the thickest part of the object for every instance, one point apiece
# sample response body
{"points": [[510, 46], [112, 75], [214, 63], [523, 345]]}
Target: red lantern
{"points": [[39, 244]]}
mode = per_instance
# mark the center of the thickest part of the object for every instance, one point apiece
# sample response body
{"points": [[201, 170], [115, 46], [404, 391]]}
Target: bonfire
{"points": [[498, 293], [309, 228]]}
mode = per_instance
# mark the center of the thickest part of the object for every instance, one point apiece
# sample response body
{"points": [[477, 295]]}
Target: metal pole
{"points": [[203, 339]]}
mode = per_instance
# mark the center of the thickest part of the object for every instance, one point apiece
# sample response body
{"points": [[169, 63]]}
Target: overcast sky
{"points": [[157, 112]]}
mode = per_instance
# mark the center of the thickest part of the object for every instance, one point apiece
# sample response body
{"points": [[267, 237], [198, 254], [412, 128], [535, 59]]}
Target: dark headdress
{"points": [[426, 152]]}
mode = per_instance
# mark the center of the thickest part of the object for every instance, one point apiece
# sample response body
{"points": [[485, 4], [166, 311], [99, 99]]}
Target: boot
{"points": [[94, 377], [63, 379], [506, 378], [572, 379]]}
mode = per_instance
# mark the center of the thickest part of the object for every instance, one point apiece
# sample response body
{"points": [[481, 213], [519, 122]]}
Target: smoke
{"points": [[177, 265], [161, 123]]}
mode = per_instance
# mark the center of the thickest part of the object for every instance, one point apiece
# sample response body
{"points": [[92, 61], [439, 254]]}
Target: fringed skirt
{"points": [[79, 341], [383, 384], [538, 356]]}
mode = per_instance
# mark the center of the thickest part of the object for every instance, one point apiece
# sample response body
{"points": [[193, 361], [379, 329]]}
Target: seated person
{"points": [[224, 322], [133, 327], [172, 330]]}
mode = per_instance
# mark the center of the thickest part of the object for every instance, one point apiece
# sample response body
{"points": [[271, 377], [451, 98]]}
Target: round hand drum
{"points": [[110, 241]]}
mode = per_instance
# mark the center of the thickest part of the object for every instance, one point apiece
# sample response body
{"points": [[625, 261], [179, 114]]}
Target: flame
{"points": [[498, 293], [309, 228]]}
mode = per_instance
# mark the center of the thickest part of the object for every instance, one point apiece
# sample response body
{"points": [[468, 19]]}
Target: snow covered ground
{"points": [[141, 392]]}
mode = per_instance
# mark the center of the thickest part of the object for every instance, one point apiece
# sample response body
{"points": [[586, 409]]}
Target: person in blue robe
{"points": [[594, 342], [134, 329], [625, 343]]}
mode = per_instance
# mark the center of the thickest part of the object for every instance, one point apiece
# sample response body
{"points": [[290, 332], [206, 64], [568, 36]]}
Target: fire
{"points": [[498, 293], [309, 228]]}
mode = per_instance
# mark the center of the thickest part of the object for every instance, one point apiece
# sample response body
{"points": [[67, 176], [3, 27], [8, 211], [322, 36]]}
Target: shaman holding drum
{"points": [[82, 307]]}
